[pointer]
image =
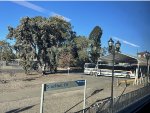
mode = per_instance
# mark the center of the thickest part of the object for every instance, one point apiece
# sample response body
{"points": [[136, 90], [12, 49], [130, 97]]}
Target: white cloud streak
{"points": [[39, 9], [126, 42], [30, 6]]}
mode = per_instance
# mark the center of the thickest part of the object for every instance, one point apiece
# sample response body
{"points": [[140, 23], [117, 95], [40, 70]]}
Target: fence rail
{"points": [[119, 102]]}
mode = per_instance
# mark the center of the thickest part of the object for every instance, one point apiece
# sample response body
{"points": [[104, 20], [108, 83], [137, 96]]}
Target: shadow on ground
{"points": [[95, 92], [20, 109]]}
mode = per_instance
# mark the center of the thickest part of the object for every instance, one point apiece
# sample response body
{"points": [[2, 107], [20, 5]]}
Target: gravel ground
{"points": [[21, 93]]}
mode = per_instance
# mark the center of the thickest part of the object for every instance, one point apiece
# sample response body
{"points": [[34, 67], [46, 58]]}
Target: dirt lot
{"points": [[21, 93]]}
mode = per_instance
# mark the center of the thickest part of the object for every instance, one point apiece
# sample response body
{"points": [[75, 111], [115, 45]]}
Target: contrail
{"points": [[39, 9], [126, 42], [30, 6]]}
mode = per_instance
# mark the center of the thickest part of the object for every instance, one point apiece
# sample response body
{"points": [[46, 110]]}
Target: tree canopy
{"points": [[40, 38], [51, 42], [6, 51]]}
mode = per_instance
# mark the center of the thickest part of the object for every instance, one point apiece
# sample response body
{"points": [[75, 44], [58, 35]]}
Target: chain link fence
{"points": [[119, 103]]}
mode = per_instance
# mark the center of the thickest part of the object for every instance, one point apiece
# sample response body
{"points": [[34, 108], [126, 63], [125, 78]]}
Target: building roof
{"points": [[123, 58]]}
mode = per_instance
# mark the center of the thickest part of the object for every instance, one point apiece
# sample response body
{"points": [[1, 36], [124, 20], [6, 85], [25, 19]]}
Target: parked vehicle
{"points": [[89, 68], [105, 69]]}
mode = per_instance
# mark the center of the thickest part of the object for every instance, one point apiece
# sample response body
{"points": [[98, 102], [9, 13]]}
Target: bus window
{"points": [[89, 65]]}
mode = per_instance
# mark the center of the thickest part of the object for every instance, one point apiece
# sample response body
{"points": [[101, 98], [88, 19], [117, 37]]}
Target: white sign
{"points": [[61, 85]]}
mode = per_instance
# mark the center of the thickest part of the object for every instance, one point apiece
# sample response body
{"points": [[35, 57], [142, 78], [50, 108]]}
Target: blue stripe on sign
{"points": [[80, 82], [63, 85]]}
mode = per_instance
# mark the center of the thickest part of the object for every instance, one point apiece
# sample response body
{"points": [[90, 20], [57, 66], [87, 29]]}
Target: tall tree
{"points": [[82, 45], [95, 37], [40, 38], [6, 51], [66, 59]]}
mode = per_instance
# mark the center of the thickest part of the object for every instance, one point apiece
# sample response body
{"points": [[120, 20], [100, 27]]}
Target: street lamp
{"points": [[112, 50], [147, 56], [117, 45]]}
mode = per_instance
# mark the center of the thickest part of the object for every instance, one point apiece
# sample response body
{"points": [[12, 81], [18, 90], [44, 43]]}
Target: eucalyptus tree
{"points": [[95, 37], [40, 39], [6, 51], [82, 43]]}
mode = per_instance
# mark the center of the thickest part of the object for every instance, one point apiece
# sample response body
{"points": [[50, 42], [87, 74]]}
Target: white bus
{"points": [[119, 70], [104, 69], [89, 68]]}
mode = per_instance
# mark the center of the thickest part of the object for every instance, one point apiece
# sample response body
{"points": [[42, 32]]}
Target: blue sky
{"points": [[127, 21]]}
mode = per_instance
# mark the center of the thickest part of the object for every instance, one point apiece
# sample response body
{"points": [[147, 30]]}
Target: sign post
{"points": [[84, 96], [42, 97], [62, 85]]}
